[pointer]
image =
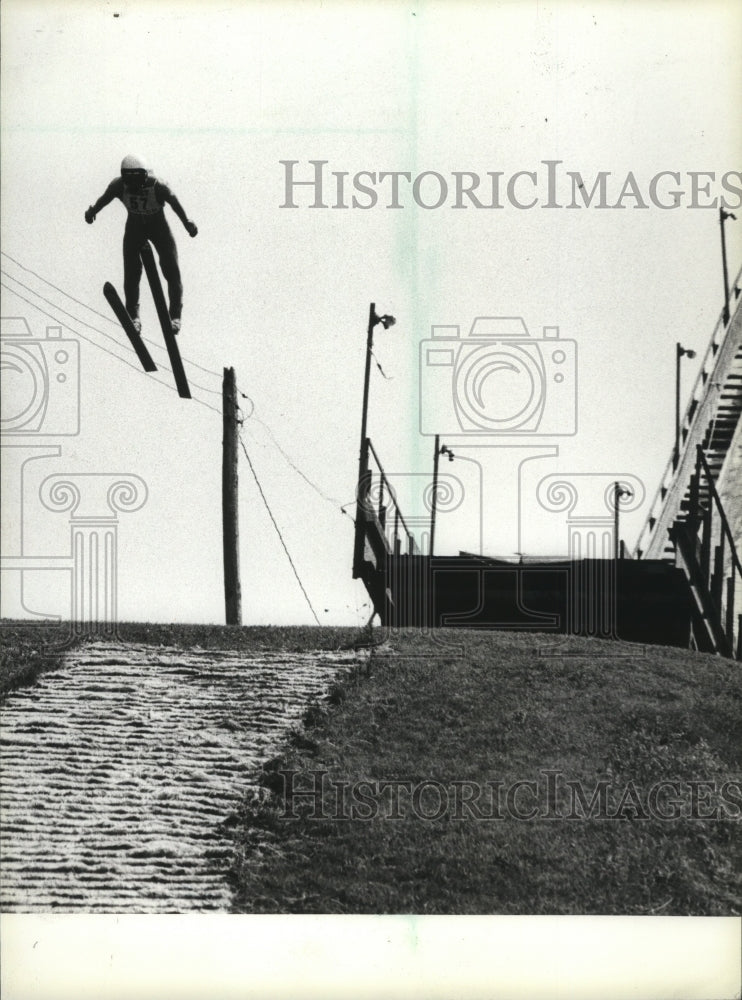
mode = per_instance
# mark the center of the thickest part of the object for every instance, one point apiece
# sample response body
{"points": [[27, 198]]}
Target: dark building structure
{"points": [[682, 585]]}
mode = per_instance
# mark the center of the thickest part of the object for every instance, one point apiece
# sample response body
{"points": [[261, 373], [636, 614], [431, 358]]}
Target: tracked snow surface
{"points": [[119, 767]]}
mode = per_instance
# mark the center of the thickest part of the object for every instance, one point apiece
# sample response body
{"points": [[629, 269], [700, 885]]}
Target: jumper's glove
{"points": [[191, 228], [90, 216]]}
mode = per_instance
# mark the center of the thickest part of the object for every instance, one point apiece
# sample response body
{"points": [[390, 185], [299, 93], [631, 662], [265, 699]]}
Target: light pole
{"points": [[723, 215], [619, 491], [434, 500], [363, 475], [679, 352]]}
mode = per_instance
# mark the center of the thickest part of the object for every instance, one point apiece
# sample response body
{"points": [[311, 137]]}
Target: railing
{"points": [[381, 504], [705, 545], [379, 521], [675, 476]]}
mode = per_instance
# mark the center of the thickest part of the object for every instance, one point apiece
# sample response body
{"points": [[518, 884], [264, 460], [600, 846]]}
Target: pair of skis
{"points": [[137, 343]]}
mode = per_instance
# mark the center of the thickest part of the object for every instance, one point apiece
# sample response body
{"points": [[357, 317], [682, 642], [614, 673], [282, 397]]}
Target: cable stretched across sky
{"points": [[77, 319], [278, 532], [92, 333], [56, 319], [252, 416], [153, 343]]}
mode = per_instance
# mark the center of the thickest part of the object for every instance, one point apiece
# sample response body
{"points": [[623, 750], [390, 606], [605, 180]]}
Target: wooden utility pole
{"points": [[230, 523], [363, 477]]}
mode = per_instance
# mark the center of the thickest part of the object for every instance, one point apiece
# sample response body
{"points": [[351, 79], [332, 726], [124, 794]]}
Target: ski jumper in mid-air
{"points": [[144, 197]]}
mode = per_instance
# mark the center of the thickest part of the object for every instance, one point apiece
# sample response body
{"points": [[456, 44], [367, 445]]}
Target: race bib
{"points": [[142, 202]]}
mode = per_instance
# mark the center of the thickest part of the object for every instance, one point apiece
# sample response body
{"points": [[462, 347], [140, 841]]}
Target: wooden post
{"points": [[434, 498], [706, 529], [230, 524], [730, 609], [717, 577]]}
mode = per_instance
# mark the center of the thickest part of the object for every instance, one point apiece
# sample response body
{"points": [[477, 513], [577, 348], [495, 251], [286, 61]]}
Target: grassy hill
{"points": [[484, 772], [472, 772]]}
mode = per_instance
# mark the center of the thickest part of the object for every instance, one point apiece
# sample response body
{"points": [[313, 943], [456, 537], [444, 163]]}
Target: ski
{"points": [[124, 319], [153, 277]]}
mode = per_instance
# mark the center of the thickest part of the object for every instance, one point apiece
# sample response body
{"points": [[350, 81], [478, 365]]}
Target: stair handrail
{"points": [[675, 463], [398, 517], [720, 508], [714, 590]]}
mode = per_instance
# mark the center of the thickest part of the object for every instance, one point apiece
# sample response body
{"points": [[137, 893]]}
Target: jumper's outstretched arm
{"points": [[190, 227], [105, 199]]}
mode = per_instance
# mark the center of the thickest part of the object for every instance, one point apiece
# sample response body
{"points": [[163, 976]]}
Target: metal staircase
{"points": [[687, 523]]}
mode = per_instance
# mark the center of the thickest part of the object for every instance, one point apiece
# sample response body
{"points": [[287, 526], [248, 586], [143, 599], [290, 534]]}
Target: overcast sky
{"points": [[214, 97]]}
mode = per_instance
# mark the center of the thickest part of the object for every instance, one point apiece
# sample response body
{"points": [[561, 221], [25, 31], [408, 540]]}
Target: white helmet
{"points": [[132, 166], [131, 163]]}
